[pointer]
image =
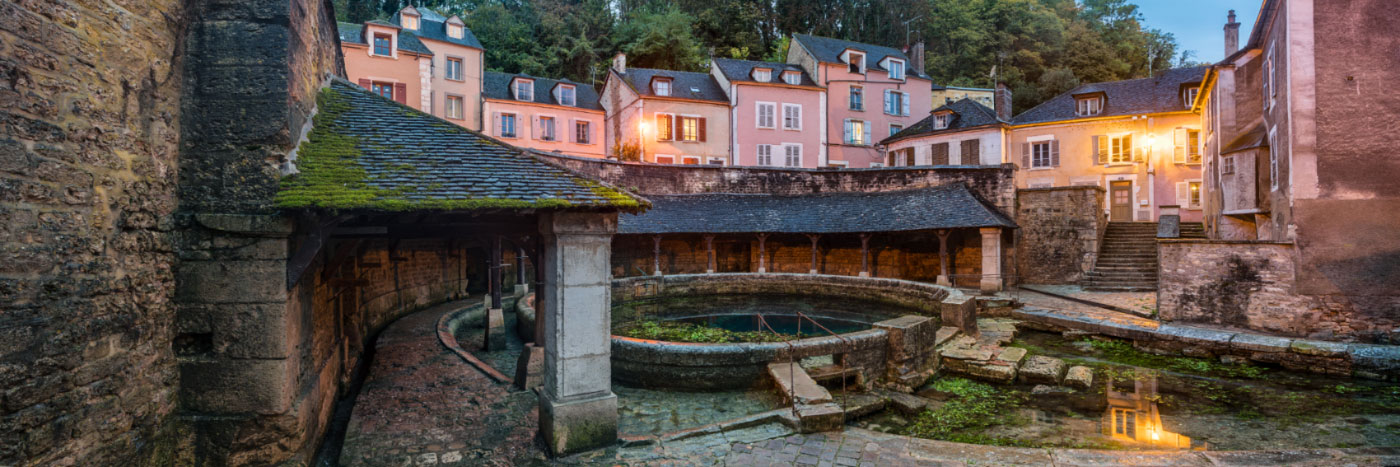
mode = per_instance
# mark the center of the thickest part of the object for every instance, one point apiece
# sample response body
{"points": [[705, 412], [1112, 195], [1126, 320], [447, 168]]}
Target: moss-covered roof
{"points": [[368, 152]]}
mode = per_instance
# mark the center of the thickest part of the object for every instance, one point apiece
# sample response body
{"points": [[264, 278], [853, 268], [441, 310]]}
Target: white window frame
{"points": [[763, 155], [567, 90], [857, 134], [1088, 106], [529, 88], [1118, 157], [447, 68], [587, 128], [792, 77], [1227, 165], [684, 118], [772, 120], [940, 121], [670, 159], [762, 75], [851, 99], [461, 105], [1195, 204], [1189, 97], [851, 60], [1269, 68], [794, 123], [658, 85], [897, 69], [1273, 160], [715, 161], [551, 132], [1042, 158], [514, 125], [455, 30], [410, 22], [894, 103], [788, 155]]}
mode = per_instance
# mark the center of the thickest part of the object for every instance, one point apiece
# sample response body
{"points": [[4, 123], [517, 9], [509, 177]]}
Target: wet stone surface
{"points": [[652, 412]]}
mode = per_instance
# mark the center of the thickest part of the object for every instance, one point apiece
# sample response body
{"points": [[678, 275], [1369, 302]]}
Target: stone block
{"points": [[944, 333], [1012, 355], [820, 417], [1079, 377], [1319, 348], [578, 375], [1043, 370], [237, 385], [495, 335], [1379, 360], [578, 425], [242, 330], [1260, 343], [248, 281], [529, 368], [960, 311], [909, 404], [795, 385], [247, 224]]}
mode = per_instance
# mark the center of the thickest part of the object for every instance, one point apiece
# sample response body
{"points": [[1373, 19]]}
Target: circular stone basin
{"points": [[849, 307]]}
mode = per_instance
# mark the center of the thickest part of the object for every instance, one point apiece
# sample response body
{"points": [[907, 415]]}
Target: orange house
{"points": [[550, 115], [383, 58]]}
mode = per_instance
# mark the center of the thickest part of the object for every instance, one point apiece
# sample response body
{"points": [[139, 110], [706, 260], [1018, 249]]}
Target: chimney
{"points": [[1232, 35], [916, 57], [1002, 102], [620, 63]]}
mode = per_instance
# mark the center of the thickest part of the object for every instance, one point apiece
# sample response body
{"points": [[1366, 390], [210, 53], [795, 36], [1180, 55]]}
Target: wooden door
{"points": [[1121, 199]]}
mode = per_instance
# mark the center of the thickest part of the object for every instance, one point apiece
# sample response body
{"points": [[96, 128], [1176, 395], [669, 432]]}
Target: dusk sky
{"points": [[1198, 24]]}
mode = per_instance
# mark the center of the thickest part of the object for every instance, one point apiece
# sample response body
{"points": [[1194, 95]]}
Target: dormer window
{"points": [[383, 44], [940, 121], [855, 62], [762, 75], [1088, 106], [524, 89], [661, 87], [1188, 97], [454, 31], [792, 77], [567, 95], [897, 69], [410, 21]]}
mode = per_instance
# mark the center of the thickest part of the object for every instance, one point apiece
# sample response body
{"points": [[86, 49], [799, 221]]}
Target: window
{"points": [[582, 135], [857, 132], [1188, 97], [792, 77], [454, 68], [454, 107], [792, 117], [410, 22], [857, 98], [940, 122], [454, 30], [1227, 165], [567, 96], [382, 44], [690, 160], [1273, 161], [897, 69], [765, 116], [1088, 106], [508, 125], [383, 89], [896, 103], [1187, 146], [765, 154], [661, 87], [1268, 78], [895, 129], [938, 154], [665, 159], [1115, 149], [690, 129], [1041, 155], [971, 152], [792, 155], [1195, 195], [524, 90], [873, 165], [762, 75], [855, 62], [547, 129], [665, 127]]}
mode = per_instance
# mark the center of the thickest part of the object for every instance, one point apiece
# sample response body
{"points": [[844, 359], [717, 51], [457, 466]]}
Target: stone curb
{"points": [[1086, 302], [446, 327]]}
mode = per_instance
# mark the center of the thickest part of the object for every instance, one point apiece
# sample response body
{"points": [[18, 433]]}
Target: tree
{"points": [[661, 39]]}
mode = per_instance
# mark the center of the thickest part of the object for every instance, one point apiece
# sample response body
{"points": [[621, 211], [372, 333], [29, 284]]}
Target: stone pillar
{"points": [[865, 255], [521, 285], [991, 259], [815, 238], [656, 254], [943, 258], [578, 410], [710, 254], [495, 335], [1169, 222], [762, 254]]}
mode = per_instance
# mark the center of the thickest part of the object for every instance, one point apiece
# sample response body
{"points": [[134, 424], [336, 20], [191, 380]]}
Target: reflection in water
{"points": [[1132, 417]]}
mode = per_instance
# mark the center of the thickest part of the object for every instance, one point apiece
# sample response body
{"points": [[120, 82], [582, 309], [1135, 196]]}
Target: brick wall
{"points": [[1252, 286], [89, 126], [1059, 233]]}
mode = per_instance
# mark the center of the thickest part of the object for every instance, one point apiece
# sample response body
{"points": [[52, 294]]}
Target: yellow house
{"points": [[1138, 139], [943, 95]]}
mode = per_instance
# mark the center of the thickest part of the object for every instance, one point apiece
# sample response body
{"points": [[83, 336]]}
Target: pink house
{"points": [[452, 79], [872, 92], [544, 114], [775, 111], [671, 117]]}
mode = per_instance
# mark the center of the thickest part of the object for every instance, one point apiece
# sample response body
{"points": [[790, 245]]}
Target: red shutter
{"points": [[676, 127], [401, 93], [702, 129], [364, 83]]}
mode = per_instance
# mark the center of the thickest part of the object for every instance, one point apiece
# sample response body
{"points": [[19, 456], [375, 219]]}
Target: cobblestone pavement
{"points": [[422, 405], [650, 412]]}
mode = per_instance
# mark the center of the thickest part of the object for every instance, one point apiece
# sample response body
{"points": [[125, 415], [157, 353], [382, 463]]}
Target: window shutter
{"points": [[401, 93], [496, 123], [534, 127], [663, 121], [364, 83], [888, 107], [702, 129], [1100, 150], [1179, 139], [865, 134], [1183, 193], [1054, 153], [904, 106], [1026, 154], [846, 133], [675, 127], [974, 153]]}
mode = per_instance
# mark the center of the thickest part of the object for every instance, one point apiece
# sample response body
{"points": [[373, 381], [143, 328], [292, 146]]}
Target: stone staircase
{"points": [[1128, 257]]}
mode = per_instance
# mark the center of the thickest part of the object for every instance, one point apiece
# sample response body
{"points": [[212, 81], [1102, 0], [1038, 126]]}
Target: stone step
{"points": [[796, 386], [1146, 274], [831, 372], [1126, 287]]}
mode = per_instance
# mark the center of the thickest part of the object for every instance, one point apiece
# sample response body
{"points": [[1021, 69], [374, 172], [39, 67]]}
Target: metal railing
{"points": [[792, 359]]}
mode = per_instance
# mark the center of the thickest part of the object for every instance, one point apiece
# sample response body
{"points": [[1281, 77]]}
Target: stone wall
{"points": [[1059, 233], [1252, 285], [992, 183], [89, 132]]}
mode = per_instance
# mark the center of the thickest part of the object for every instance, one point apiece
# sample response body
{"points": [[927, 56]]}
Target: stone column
{"points": [[578, 410], [991, 259], [495, 315], [521, 285], [815, 238], [710, 254], [656, 254], [943, 279], [865, 255], [762, 254]]}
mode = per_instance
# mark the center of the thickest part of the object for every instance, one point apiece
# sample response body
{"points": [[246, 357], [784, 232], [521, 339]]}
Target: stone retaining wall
{"points": [[1059, 234], [1252, 285]]}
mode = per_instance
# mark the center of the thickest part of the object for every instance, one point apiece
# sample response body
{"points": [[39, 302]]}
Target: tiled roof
{"points": [[941, 207], [354, 33], [497, 86], [967, 113], [1254, 137], [742, 70], [828, 50], [368, 152], [1161, 93], [432, 25], [685, 84]]}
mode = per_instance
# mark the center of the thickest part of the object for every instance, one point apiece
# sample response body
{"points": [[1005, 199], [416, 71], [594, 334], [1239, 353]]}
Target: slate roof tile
{"points": [[432, 25], [742, 71], [1161, 93], [685, 84], [828, 50], [497, 86], [967, 113], [354, 33]]}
